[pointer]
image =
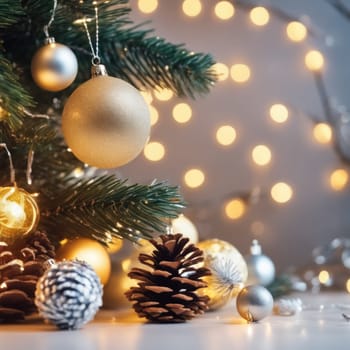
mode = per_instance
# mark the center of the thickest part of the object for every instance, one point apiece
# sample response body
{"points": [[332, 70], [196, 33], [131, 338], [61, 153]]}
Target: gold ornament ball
{"points": [[106, 122], [19, 213], [212, 249], [54, 67], [89, 251], [185, 226]]}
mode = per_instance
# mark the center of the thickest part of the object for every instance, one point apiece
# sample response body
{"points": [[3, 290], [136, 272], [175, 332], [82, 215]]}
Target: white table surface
{"points": [[319, 326]]}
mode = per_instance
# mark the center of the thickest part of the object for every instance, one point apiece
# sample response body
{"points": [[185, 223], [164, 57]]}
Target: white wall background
{"points": [[316, 213]]}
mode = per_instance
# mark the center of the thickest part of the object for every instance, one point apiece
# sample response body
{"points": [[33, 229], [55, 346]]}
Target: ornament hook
{"points": [[12, 169], [47, 26]]}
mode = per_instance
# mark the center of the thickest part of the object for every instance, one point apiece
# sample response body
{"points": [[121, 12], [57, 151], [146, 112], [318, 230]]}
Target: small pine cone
{"points": [[19, 272], [69, 294], [167, 291], [40, 244]]}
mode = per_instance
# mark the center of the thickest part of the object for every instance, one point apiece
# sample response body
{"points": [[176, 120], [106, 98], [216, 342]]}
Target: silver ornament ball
{"points": [[261, 269], [106, 122], [254, 303], [54, 66]]}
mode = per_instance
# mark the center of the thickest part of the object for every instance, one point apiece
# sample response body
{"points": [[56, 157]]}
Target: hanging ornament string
{"points": [[95, 52], [47, 26], [12, 169]]}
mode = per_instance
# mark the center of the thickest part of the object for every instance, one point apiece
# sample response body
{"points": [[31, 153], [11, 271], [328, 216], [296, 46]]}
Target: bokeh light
{"points": [[147, 6], [192, 8], [226, 135], [324, 277], [147, 96], [154, 115], [314, 60], [154, 151], [224, 10], [182, 112], [221, 70], [296, 31], [235, 208], [322, 133], [259, 16], [240, 73], [281, 192], [279, 113], [261, 155], [194, 178], [163, 95], [339, 179]]}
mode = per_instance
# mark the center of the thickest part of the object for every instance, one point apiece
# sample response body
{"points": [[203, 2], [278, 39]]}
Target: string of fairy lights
{"points": [[240, 73]]}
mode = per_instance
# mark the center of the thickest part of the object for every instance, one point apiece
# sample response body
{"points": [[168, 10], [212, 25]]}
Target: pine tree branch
{"points": [[105, 206], [340, 6], [11, 12]]}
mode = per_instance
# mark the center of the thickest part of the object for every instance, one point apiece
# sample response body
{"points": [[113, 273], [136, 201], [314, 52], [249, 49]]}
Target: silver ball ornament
{"points": [[261, 269], [54, 66], [254, 303], [106, 122]]}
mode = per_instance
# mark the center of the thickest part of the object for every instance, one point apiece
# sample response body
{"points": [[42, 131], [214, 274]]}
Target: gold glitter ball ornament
{"points": [[229, 271], [106, 122], [19, 213], [54, 66]]}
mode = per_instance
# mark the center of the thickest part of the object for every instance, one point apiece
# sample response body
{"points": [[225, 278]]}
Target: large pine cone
{"points": [[167, 291], [21, 265]]}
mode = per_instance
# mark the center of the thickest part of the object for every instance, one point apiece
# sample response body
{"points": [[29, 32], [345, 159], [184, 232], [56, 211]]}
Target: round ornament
{"points": [[185, 226], [254, 303], [261, 269], [69, 294], [19, 213], [228, 268], [54, 66], [106, 121], [90, 251]]}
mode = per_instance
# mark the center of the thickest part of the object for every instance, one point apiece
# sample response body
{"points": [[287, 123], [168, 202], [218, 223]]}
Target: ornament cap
{"points": [[49, 40], [98, 70], [255, 248]]}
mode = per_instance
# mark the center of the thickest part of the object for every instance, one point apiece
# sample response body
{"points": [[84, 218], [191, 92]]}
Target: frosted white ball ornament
{"points": [[106, 121], [54, 66]]}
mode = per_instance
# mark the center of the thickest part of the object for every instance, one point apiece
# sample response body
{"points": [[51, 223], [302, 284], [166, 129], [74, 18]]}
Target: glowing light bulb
{"points": [[147, 6], [339, 179], [221, 70], [194, 178], [322, 133], [182, 112], [235, 209], [163, 95], [296, 31], [224, 10], [281, 192], [225, 135], [324, 277], [154, 151], [192, 8], [154, 115], [240, 73], [261, 155], [314, 60], [259, 16], [279, 113]]}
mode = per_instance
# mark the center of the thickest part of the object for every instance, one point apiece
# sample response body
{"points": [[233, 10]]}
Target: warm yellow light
{"points": [[348, 285], [235, 209], [221, 70], [225, 135], [339, 179], [147, 96], [240, 73], [322, 133], [3, 113], [261, 155], [154, 151], [323, 277], [194, 178], [163, 95], [279, 113], [281, 192], [115, 246], [147, 6], [154, 115], [182, 112], [296, 31], [224, 10], [192, 8], [314, 60], [259, 16]]}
